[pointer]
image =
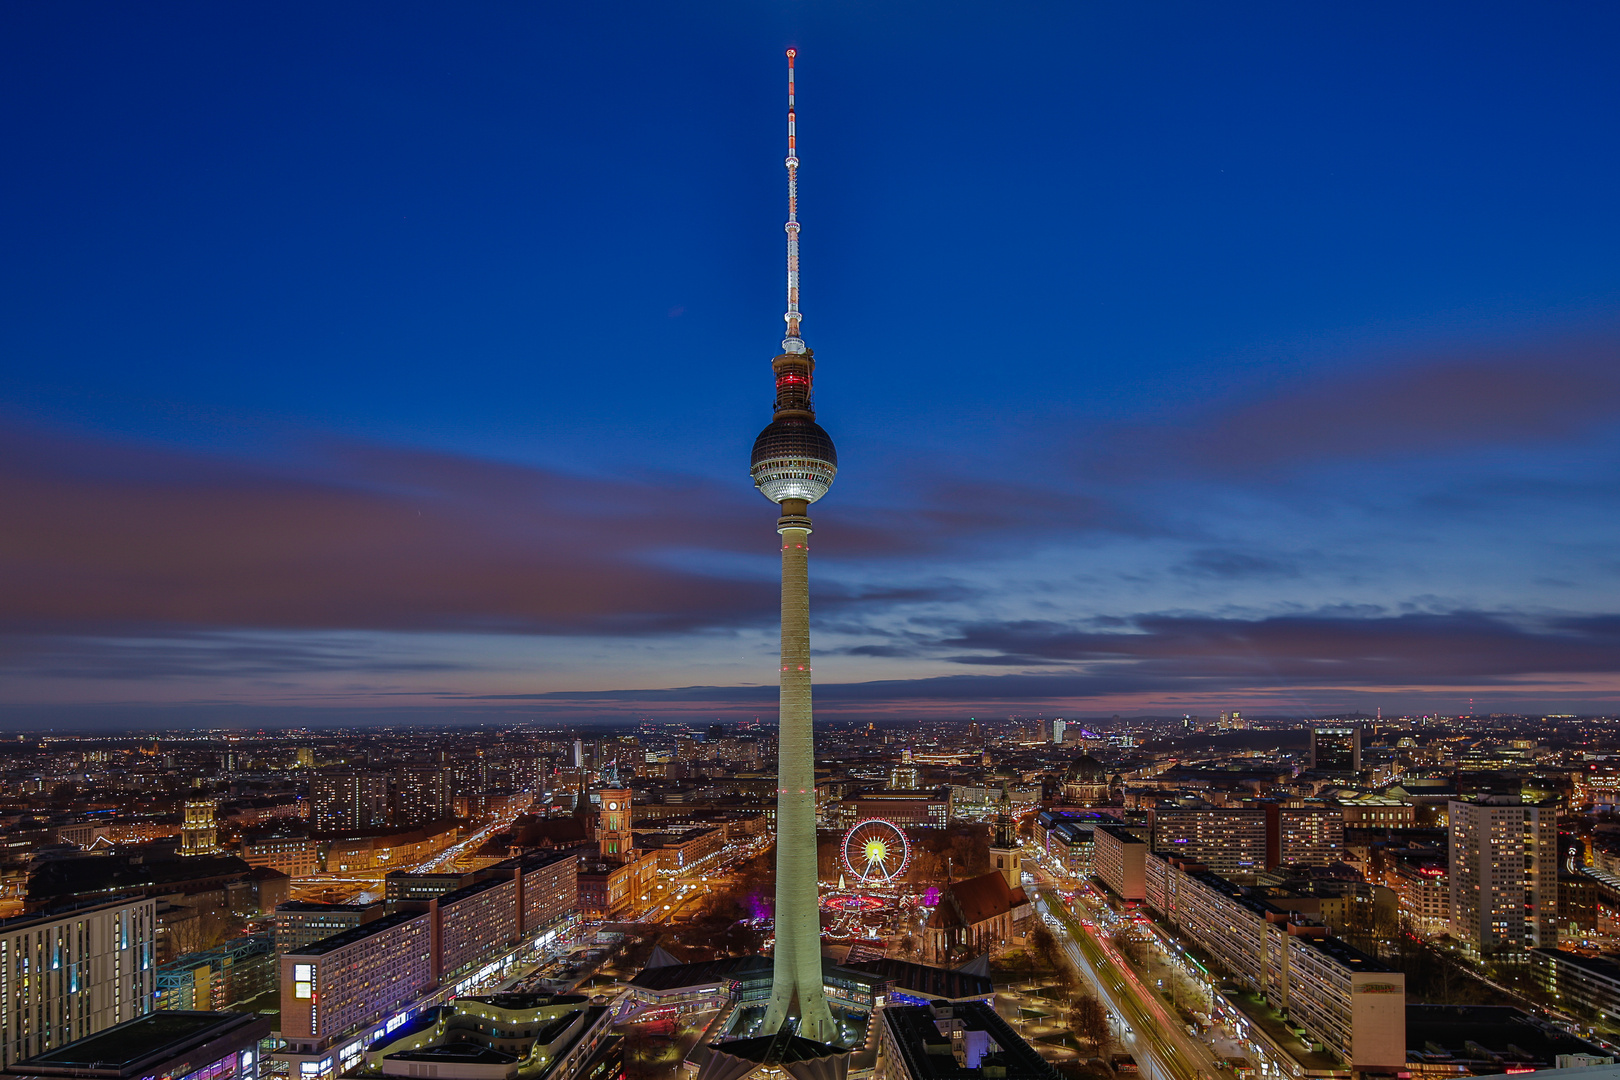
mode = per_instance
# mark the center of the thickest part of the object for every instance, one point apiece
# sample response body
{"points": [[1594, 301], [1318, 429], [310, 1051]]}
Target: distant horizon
{"points": [[382, 723]]}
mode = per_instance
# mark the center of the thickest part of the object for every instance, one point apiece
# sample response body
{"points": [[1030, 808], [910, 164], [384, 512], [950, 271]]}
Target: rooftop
{"points": [[673, 976], [928, 1051], [1489, 1033], [359, 933], [19, 922], [926, 981], [136, 1046]]}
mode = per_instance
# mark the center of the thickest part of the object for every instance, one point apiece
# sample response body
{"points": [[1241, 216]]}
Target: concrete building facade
{"points": [[1503, 869], [73, 971], [1119, 860], [1348, 1001]]}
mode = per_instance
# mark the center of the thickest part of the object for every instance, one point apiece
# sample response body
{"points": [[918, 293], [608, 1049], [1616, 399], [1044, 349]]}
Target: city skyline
{"points": [[1190, 364]]}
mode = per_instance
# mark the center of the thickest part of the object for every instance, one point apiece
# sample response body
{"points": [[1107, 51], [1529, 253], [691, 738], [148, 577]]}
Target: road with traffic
{"points": [[1161, 1046]]}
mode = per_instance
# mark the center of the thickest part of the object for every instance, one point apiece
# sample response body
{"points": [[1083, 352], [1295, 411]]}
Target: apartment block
{"points": [[422, 794], [1589, 982], [1229, 840], [1347, 1001], [354, 978], [300, 923], [348, 801], [1504, 875], [73, 971], [1308, 836], [473, 918], [358, 982]]}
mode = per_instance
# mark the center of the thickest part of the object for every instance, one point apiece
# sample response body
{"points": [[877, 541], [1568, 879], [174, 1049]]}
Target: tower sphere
{"points": [[794, 459]]}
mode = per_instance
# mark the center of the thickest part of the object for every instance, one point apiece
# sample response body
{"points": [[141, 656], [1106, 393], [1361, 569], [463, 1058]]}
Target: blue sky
{"points": [[403, 360]]}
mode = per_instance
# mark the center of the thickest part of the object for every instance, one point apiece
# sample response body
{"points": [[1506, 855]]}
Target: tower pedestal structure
{"points": [[796, 983]]}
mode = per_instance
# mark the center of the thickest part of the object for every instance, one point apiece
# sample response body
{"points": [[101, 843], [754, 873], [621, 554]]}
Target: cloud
{"points": [[206, 656], [113, 537], [1323, 649], [1422, 405]]}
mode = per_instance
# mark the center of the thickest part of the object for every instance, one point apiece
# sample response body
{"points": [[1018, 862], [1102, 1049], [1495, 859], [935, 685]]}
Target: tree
{"points": [[1044, 945], [1088, 1019]]}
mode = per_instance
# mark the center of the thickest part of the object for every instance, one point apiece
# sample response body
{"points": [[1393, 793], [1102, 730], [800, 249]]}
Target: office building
{"points": [[238, 971], [1424, 892], [1071, 845], [348, 801], [200, 1045], [1503, 869], [907, 809], [295, 856], [74, 971], [1336, 749], [404, 885], [1119, 860]]}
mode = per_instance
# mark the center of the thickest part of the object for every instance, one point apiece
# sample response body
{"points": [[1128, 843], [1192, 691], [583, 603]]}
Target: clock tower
{"points": [[613, 834]]}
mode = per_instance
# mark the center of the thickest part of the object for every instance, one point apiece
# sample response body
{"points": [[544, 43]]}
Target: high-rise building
{"points": [[74, 971], [1229, 840], [1308, 836], [793, 465], [422, 794], [199, 832], [347, 801], [1336, 749], [1119, 858], [1503, 870]]}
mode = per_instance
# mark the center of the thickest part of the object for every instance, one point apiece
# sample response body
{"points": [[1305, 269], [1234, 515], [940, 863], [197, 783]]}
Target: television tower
{"points": [[793, 465]]}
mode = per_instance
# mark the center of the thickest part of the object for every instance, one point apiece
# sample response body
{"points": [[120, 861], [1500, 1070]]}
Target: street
{"points": [[1157, 1039]]}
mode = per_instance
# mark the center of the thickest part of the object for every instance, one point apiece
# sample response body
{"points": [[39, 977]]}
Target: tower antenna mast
{"points": [[793, 342]]}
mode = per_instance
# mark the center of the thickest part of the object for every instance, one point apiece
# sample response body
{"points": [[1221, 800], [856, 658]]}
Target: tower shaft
{"points": [[796, 983]]}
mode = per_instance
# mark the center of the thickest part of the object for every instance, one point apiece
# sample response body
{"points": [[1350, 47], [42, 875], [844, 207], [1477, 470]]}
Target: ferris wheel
{"points": [[876, 852]]}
